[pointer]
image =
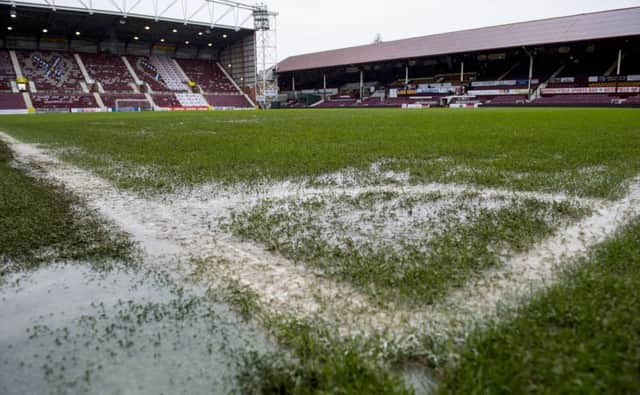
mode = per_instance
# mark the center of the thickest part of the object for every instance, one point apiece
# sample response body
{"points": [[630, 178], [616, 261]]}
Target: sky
{"points": [[308, 26]]}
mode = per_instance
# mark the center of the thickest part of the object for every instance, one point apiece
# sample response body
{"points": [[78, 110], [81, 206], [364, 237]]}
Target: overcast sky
{"points": [[309, 26]]}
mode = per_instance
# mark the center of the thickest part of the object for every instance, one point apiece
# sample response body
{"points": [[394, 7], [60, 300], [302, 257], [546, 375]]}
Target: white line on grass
{"points": [[175, 230]]}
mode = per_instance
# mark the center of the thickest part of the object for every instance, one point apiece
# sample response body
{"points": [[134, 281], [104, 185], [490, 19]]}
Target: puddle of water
{"points": [[67, 329]]}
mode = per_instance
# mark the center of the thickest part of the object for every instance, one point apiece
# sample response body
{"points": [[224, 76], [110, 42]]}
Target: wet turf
{"points": [[377, 242], [562, 334], [580, 337], [588, 152], [40, 223]]}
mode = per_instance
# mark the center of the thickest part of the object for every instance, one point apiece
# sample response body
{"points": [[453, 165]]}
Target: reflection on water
{"points": [[68, 329]]}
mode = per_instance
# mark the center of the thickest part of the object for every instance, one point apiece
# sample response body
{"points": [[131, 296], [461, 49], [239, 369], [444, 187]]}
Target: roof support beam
{"points": [[619, 61], [233, 15], [227, 12], [247, 19], [197, 11], [52, 3], [168, 8], [133, 7], [118, 7], [530, 72], [211, 13]]}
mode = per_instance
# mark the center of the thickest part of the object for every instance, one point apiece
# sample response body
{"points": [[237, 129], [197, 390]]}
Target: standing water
{"points": [[70, 329]]}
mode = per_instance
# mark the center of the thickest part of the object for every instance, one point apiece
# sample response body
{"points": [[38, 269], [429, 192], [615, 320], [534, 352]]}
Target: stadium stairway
{"points": [[136, 80], [99, 101], [16, 64], [83, 69], [170, 73], [27, 100], [236, 85]]}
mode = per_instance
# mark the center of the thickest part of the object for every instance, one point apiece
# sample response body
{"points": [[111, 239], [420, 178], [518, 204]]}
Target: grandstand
{"points": [[583, 60], [57, 58]]}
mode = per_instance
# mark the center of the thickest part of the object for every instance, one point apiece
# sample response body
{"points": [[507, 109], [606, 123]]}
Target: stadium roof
{"points": [[592, 26], [54, 20]]}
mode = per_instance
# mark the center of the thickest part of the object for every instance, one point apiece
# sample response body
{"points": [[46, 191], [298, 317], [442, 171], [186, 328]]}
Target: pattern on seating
{"points": [[207, 75], [148, 73], [159, 72], [170, 73], [191, 100], [51, 71]]}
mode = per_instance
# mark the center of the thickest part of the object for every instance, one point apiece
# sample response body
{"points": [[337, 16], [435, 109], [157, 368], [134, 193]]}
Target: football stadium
{"points": [[183, 211]]}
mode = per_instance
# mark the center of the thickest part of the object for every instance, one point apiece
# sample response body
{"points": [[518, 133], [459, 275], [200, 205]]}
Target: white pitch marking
{"points": [[179, 228]]}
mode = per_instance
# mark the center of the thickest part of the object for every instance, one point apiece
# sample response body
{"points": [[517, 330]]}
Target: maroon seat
{"points": [[110, 71], [168, 100], [376, 102], [502, 100], [207, 75], [7, 74], [576, 99], [228, 101], [61, 101], [110, 100], [148, 73], [12, 101], [337, 103], [633, 100], [51, 71]]}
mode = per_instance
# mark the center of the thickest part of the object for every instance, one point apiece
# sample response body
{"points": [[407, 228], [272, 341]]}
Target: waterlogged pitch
{"points": [[362, 251]]}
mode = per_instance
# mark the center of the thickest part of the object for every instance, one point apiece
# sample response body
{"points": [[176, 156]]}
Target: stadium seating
{"points": [[633, 101], [160, 72], [110, 100], [228, 101], [207, 75], [110, 71], [338, 103], [166, 100], [7, 74], [377, 102], [575, 100], [192, 100], [148, 73], [12, 101], [292, 103], [503, 100], [51, 71], [170, 73], [61, 101]]}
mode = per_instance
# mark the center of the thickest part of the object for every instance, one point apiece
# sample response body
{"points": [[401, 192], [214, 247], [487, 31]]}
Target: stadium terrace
{"points": [[583, 60], [56, 58]]}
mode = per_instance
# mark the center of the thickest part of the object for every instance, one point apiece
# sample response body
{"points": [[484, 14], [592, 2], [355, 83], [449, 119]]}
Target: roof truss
{"points": [[211, 13]]}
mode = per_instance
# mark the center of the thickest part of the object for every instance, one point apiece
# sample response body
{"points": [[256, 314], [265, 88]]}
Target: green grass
{"points": [[40, 223], [588, 152], [313, 358], [319, 364], [580, 337], [459, 243]]}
